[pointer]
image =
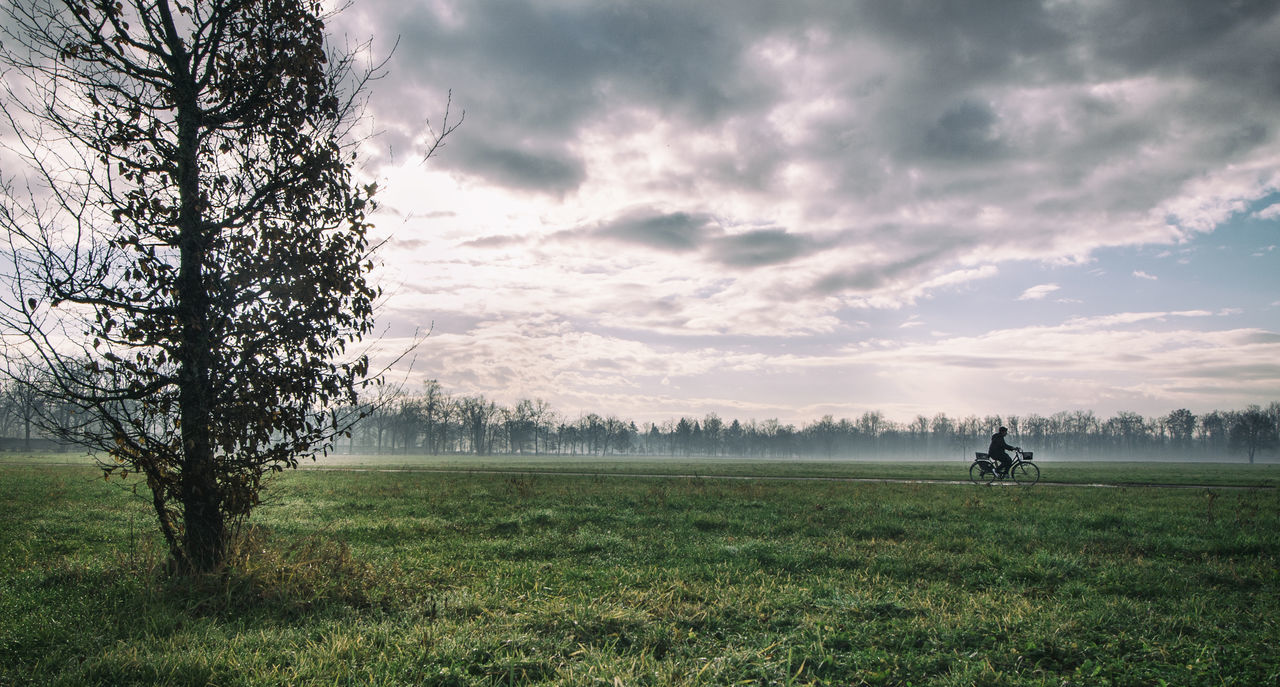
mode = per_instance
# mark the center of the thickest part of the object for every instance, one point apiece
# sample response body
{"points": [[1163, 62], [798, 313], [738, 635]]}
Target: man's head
{"points": [[1004, 430]]}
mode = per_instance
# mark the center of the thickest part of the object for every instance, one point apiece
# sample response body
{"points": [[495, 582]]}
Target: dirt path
{"points": [[709, 476], [786, 478]]}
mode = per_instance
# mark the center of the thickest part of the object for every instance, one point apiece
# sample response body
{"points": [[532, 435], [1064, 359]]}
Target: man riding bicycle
{"points": [[998, 448]]}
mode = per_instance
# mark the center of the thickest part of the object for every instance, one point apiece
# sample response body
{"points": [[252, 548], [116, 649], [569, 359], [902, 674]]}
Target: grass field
{"points": [[437, 578]]}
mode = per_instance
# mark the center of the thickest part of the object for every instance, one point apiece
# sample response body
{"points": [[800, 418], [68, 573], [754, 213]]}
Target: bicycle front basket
{"points": [[1026, 455]]}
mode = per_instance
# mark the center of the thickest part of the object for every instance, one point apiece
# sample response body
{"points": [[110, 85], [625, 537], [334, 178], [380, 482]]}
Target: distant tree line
{"points": [[26, 416], [433, 421]]}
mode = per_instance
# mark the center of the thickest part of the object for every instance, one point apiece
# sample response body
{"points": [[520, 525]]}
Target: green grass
{"points": [[76, 457], [428, 578]]}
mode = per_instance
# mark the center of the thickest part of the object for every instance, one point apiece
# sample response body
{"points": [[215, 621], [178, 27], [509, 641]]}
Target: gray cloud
{"points": [[960, 44], [966, 131], [1182, 36], [551, 171], [1262, 338], [761, 247], [870, 277], [497, 241], [407, 244], [700, 235], [532, 71], [675, 232], [1239, 372]]}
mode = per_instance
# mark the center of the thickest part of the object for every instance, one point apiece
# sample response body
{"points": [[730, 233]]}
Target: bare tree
{"points": [[543, 417], [382, 413], [1253, 429], [435, 414], [1181, 424], [27, 405], [617, 435], [476, 413], [521, 425], [7, 409], [713, 433], [408, 423]]}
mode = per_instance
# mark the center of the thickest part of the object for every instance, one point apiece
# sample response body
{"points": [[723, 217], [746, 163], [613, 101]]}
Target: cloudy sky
{"points": [[791, 209]]}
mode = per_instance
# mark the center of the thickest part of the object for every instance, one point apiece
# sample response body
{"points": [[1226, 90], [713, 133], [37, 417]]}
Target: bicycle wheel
{"points": [[981, 473], [1025, 473]]}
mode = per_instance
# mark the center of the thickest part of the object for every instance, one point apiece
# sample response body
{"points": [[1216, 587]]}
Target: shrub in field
{"points": [[188, 264]]}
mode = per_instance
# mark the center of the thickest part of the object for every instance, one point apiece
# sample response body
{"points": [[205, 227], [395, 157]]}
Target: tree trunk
{"points": [[204, 526], [205, 535]]}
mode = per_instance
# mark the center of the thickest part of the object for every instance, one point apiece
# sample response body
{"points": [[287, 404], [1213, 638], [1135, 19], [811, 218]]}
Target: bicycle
{"points": [[985, 470]]}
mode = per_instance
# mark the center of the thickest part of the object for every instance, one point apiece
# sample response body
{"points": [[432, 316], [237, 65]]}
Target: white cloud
{"points": [[1119, 320], [1143, 275], [1038, 292], [1270, 212]]}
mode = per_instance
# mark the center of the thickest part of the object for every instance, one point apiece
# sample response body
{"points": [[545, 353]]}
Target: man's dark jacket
{"points": [[998, 447]]}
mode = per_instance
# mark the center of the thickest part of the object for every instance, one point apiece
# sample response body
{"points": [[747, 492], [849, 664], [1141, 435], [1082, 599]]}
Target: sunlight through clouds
{"points": [[729, 196]]}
